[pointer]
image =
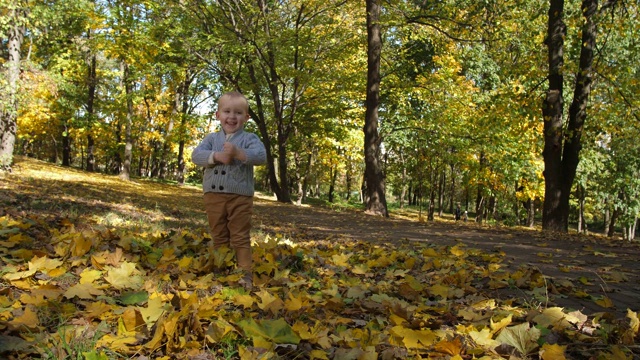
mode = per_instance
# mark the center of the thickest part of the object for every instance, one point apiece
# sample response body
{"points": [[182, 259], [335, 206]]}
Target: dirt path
{"points": [[598, 266]]}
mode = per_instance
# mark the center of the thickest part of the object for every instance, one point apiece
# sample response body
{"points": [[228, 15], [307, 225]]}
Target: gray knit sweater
{"points": [[236, 178]]}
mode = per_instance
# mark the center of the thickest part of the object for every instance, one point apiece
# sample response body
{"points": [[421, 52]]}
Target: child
{"points": [[228, 157]]}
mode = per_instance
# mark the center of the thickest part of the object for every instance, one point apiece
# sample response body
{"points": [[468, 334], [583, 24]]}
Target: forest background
{"points": [[467, 106]]}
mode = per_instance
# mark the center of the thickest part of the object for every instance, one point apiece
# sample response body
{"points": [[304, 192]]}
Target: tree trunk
{"points": [[442, 180], [9, 95], [92, 82], [432, 200], [66, 144], [632, 229], [612, 223], [184, 112], [561, 151], [125, 172], [552, 216], [582, 225], [377, 203], [531, 213], [453, 188], [403, 192], [332, 184]]}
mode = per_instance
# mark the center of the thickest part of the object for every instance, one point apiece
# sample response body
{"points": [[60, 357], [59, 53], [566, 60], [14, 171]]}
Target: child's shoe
{"points": [[246, 281]]}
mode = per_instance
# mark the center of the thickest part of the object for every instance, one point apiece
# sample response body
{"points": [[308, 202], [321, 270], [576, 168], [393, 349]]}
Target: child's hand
{"points": [[223, 157], [230, 150]]}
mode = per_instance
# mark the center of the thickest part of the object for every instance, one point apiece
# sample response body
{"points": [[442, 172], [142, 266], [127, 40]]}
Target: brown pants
{"points": [[229, 218]]}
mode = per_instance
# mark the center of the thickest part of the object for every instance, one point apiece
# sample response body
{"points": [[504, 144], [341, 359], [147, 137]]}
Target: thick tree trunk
{"points": [[611, 230], [377, 203], [552, 216], [562, 151], [9, 95]]}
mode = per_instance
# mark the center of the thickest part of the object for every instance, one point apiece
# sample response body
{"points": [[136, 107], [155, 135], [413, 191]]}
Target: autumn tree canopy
{"points": [[469, 110]]}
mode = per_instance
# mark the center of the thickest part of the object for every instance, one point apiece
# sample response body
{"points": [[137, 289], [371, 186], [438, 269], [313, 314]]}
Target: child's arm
{"points": [[200, 155], [250, 152]]}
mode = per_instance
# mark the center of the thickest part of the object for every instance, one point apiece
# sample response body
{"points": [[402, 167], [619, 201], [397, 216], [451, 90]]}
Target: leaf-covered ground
{"points": [[96, 268]]}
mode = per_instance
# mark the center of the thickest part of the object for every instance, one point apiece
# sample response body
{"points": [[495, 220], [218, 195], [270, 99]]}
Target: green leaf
{"points": [[95, 356], [133, 298], [276, 331]]}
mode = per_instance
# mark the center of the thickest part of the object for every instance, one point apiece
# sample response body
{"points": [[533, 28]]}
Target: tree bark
{"points": [[92, 83], [376, 203], [125, 172], [66, 144], [562, 150], [552, 216], [9, 95]]}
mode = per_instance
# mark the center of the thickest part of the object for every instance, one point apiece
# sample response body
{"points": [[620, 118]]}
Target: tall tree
{"points": [[376, 202], [277, 53], [15, 12], [562, 145]]}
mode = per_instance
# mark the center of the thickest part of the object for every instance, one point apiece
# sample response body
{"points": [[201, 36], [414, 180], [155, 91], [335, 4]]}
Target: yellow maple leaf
{"points": [[269, 302], [28, 319], [120, 343], [43, 264], [457, 251], [34, 299], [133, 321], [522, 337], [243, 300], [439, 290], [413, 339], [552, 352], [114, 259], [497, 326], [453, 347], [341, 259], [185, 262], [217, 329], [80, 245], [629, 334], [49, 291], [83, 291], [88, 276], [484, 338], [97, 309], [605, 302], [124, 277], [361, 269], [168, 255], [318, 354], [294, 303], [555, 317], [154, 309], [356, 292]]}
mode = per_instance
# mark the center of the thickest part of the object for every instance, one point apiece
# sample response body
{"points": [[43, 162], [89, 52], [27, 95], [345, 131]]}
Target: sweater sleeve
{"points": [[255, 150], [200, 155]]}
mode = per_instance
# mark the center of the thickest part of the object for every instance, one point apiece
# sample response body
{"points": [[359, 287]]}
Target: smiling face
{"points": [[233, 112]]}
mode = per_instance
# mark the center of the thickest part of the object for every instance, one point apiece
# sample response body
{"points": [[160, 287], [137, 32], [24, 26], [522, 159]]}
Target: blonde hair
{"points": [[234, 95]]}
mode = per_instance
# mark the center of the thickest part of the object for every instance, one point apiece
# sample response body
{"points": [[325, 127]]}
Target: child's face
{"points": [[232, 113]]}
